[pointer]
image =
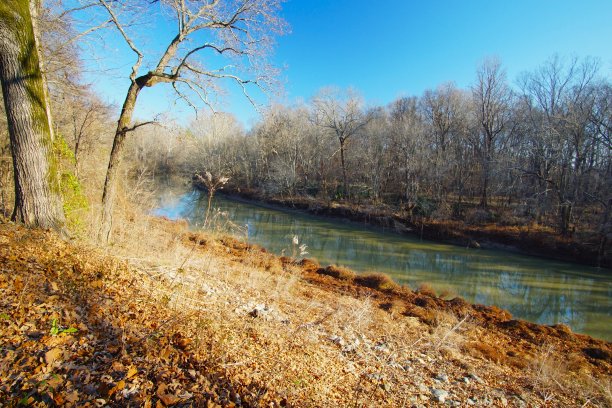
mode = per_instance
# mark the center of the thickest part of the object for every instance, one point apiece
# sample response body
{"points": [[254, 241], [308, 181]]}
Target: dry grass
{"points": [[338, 272], [257, 321], [426, 289], [304, 343], [378, 281], [552, 376], [549, 373], [448, 331], [246, 327]]}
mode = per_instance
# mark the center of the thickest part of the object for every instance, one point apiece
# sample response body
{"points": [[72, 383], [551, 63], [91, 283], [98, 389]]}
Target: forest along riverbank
{"points": [[534, 289], [539, 242]]}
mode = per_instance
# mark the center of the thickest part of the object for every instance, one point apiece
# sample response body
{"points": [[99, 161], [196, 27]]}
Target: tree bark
{"points": [[35, 8], [110, 184], [37, 192], [345, 192], [486, 168], [484, 193]]}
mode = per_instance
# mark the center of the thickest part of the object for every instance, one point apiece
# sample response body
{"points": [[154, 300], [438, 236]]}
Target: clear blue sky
{"points": [[391, 48]]}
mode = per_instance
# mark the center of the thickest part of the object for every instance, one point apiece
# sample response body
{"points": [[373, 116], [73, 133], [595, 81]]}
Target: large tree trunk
{"points": [[486, 170], [35, 10], [345, 191], [37, 196], [484, 192], [110, 184]]}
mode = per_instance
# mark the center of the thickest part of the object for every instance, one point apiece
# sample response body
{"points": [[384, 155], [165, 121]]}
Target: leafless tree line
{"points": [[537, 152]]}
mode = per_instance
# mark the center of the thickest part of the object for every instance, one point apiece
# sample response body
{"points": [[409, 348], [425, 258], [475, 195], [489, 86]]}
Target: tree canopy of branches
{"points": [[492, 100], [343, 115], [214, 41]]}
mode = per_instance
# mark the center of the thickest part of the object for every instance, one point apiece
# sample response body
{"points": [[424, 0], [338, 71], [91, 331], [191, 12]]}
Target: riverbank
{"points": [[528, 240], [176, 318]]}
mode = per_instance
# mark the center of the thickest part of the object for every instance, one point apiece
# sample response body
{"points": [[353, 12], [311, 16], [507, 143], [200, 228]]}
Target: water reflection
{"points": [[538, 290]]}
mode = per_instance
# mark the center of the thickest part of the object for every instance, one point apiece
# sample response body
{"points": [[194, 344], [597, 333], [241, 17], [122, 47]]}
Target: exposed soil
{"points": [[527, 240], [227, 324]]}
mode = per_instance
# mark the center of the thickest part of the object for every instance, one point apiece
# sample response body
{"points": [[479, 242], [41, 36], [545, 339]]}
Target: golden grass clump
{"points": [[310, 265], [426, 289], [338, 272], [378, 281]]}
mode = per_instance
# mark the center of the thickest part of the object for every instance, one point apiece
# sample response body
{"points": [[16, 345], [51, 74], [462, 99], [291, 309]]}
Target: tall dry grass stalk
{"points": [[212, 185]]}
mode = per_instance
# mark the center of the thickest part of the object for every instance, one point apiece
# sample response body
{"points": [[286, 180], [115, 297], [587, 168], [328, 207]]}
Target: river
{"points": [[534, 289]]}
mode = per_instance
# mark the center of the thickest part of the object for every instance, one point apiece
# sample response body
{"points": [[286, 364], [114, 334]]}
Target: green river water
{"points": [[534, 289]]}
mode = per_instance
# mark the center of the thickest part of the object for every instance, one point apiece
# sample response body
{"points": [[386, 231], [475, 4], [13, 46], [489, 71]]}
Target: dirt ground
{"points": [[165, 317]]}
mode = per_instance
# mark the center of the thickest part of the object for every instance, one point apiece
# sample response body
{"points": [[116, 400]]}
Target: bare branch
{"points": [[184, 97], [84, 33], [73, 10], [137, 125], [127, 39], [219, 50]]}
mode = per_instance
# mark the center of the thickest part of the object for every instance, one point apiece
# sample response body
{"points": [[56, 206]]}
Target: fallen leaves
{"points": [[75, 334], [181, 342], [18, 284], [131, 372], [53, 355], [165, 396]]}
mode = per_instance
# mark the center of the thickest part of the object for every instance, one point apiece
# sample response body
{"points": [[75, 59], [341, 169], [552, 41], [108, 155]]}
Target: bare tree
{"points": [[37, 199], [443, 109], [567, 114], [492, 102], [281, 137], [372, 163], [342, 113], [85, 123], [602, 115], [241, 30], [213, 136], [406, 132]]}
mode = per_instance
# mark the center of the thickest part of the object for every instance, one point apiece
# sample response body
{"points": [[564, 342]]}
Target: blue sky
{"points": [[391, 48]]}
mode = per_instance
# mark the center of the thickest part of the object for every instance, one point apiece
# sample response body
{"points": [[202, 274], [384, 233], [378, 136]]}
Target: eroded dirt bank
{"points": [[183, 319]]}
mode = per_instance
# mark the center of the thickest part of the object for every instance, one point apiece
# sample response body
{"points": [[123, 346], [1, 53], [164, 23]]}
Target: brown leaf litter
{"points": [[231, 325]]}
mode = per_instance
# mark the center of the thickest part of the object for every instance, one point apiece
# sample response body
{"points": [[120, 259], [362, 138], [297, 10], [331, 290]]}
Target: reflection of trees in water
{"points": [[580, 303], [533, 289]]}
